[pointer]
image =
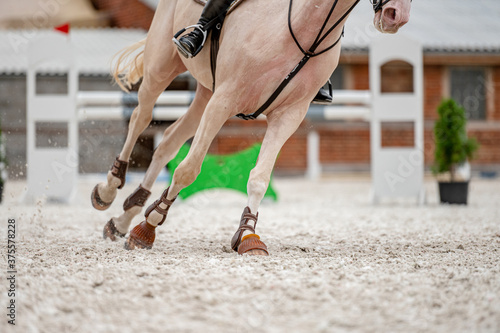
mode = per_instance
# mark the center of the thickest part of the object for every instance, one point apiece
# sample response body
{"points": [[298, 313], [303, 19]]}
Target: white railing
{"points": [[111, 105]]}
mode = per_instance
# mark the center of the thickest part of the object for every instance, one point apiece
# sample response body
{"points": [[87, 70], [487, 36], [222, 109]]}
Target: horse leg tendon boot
{"points": [[251, 243], [143, 234], [118, 170], [191, 44]]}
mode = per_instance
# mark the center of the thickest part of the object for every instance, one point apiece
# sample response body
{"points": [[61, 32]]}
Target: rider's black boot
{"points": [[322, 97], [190, 44]]}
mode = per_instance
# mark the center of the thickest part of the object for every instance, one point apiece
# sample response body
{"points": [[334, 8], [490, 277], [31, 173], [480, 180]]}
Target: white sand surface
{"points": [[337, 264]]}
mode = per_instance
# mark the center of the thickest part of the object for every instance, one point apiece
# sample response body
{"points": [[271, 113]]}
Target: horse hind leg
{"points": [[161, 65], [104, 193], [173, 138]]}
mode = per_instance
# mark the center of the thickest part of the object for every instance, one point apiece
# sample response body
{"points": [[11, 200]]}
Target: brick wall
{"points": [[396, 77], [345, 143], [237, 135], [489, 139], [433, 90], [360, 77], [126, 13]]}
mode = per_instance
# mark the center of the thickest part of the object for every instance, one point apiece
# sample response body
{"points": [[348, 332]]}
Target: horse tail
{"points": [[129, 69]]}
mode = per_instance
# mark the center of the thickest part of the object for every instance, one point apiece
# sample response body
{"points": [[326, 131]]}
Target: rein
{"points": [[311, 52]]}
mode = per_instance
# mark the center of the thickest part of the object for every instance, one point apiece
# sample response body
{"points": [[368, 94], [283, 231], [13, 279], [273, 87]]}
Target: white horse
{"points": [[256, 53]]}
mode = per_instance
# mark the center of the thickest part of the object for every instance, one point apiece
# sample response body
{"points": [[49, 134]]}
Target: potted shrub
{"points": [[453, 152], [3, 163]]}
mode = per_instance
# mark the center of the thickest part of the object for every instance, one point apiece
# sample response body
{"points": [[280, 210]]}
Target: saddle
{"points": [[233, 6]]}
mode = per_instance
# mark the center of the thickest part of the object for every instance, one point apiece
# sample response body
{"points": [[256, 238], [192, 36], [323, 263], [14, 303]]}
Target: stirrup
{"points": [[323, 99], [181, 48]]}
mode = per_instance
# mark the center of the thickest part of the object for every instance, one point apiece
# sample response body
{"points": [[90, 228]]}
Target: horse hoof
{"points": [[111, 232], [252, 245], [141, 237], [96, 200]]}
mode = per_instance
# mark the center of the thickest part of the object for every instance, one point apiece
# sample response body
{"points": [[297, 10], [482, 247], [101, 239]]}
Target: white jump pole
{"points": [[313, 162]]}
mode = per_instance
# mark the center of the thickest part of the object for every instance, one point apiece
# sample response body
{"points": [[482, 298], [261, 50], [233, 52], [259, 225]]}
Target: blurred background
{"points": [[461, 60]]}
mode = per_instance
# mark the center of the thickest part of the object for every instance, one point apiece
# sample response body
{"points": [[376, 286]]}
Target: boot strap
{"points": [[119, 170], [156, 206]]}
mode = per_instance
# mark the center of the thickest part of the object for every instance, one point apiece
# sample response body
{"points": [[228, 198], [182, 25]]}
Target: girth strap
{"points": [[214, 48], [307, 55], [278, 91]]}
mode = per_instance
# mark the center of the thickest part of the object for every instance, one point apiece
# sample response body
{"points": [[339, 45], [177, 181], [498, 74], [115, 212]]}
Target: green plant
{"points": [[452, 145]]}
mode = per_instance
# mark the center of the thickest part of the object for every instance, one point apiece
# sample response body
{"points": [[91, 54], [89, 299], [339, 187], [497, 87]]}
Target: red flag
{"points": [[63, 28]]}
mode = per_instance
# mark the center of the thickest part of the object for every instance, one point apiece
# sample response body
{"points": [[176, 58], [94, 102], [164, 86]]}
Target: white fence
{"points": [[110, 105]]}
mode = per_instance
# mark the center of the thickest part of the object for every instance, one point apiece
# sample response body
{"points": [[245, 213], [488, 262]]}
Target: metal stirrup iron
{"points": [[181, 48]]}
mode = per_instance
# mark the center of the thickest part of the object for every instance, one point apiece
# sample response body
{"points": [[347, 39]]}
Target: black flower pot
{"points": [[454, 192]]}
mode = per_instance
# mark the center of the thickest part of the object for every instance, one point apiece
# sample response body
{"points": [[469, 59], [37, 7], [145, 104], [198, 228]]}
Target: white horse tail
{"points": [[129, 69]]}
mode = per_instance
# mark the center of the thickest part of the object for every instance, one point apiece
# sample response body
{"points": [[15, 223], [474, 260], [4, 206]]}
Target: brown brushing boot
{"points": [[143, 234], [118, 170], [251, 243]]}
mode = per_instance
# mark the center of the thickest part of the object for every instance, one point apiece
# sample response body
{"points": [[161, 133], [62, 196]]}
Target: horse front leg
{"points": [[217, 112], [173, 138], [281, 125]]}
